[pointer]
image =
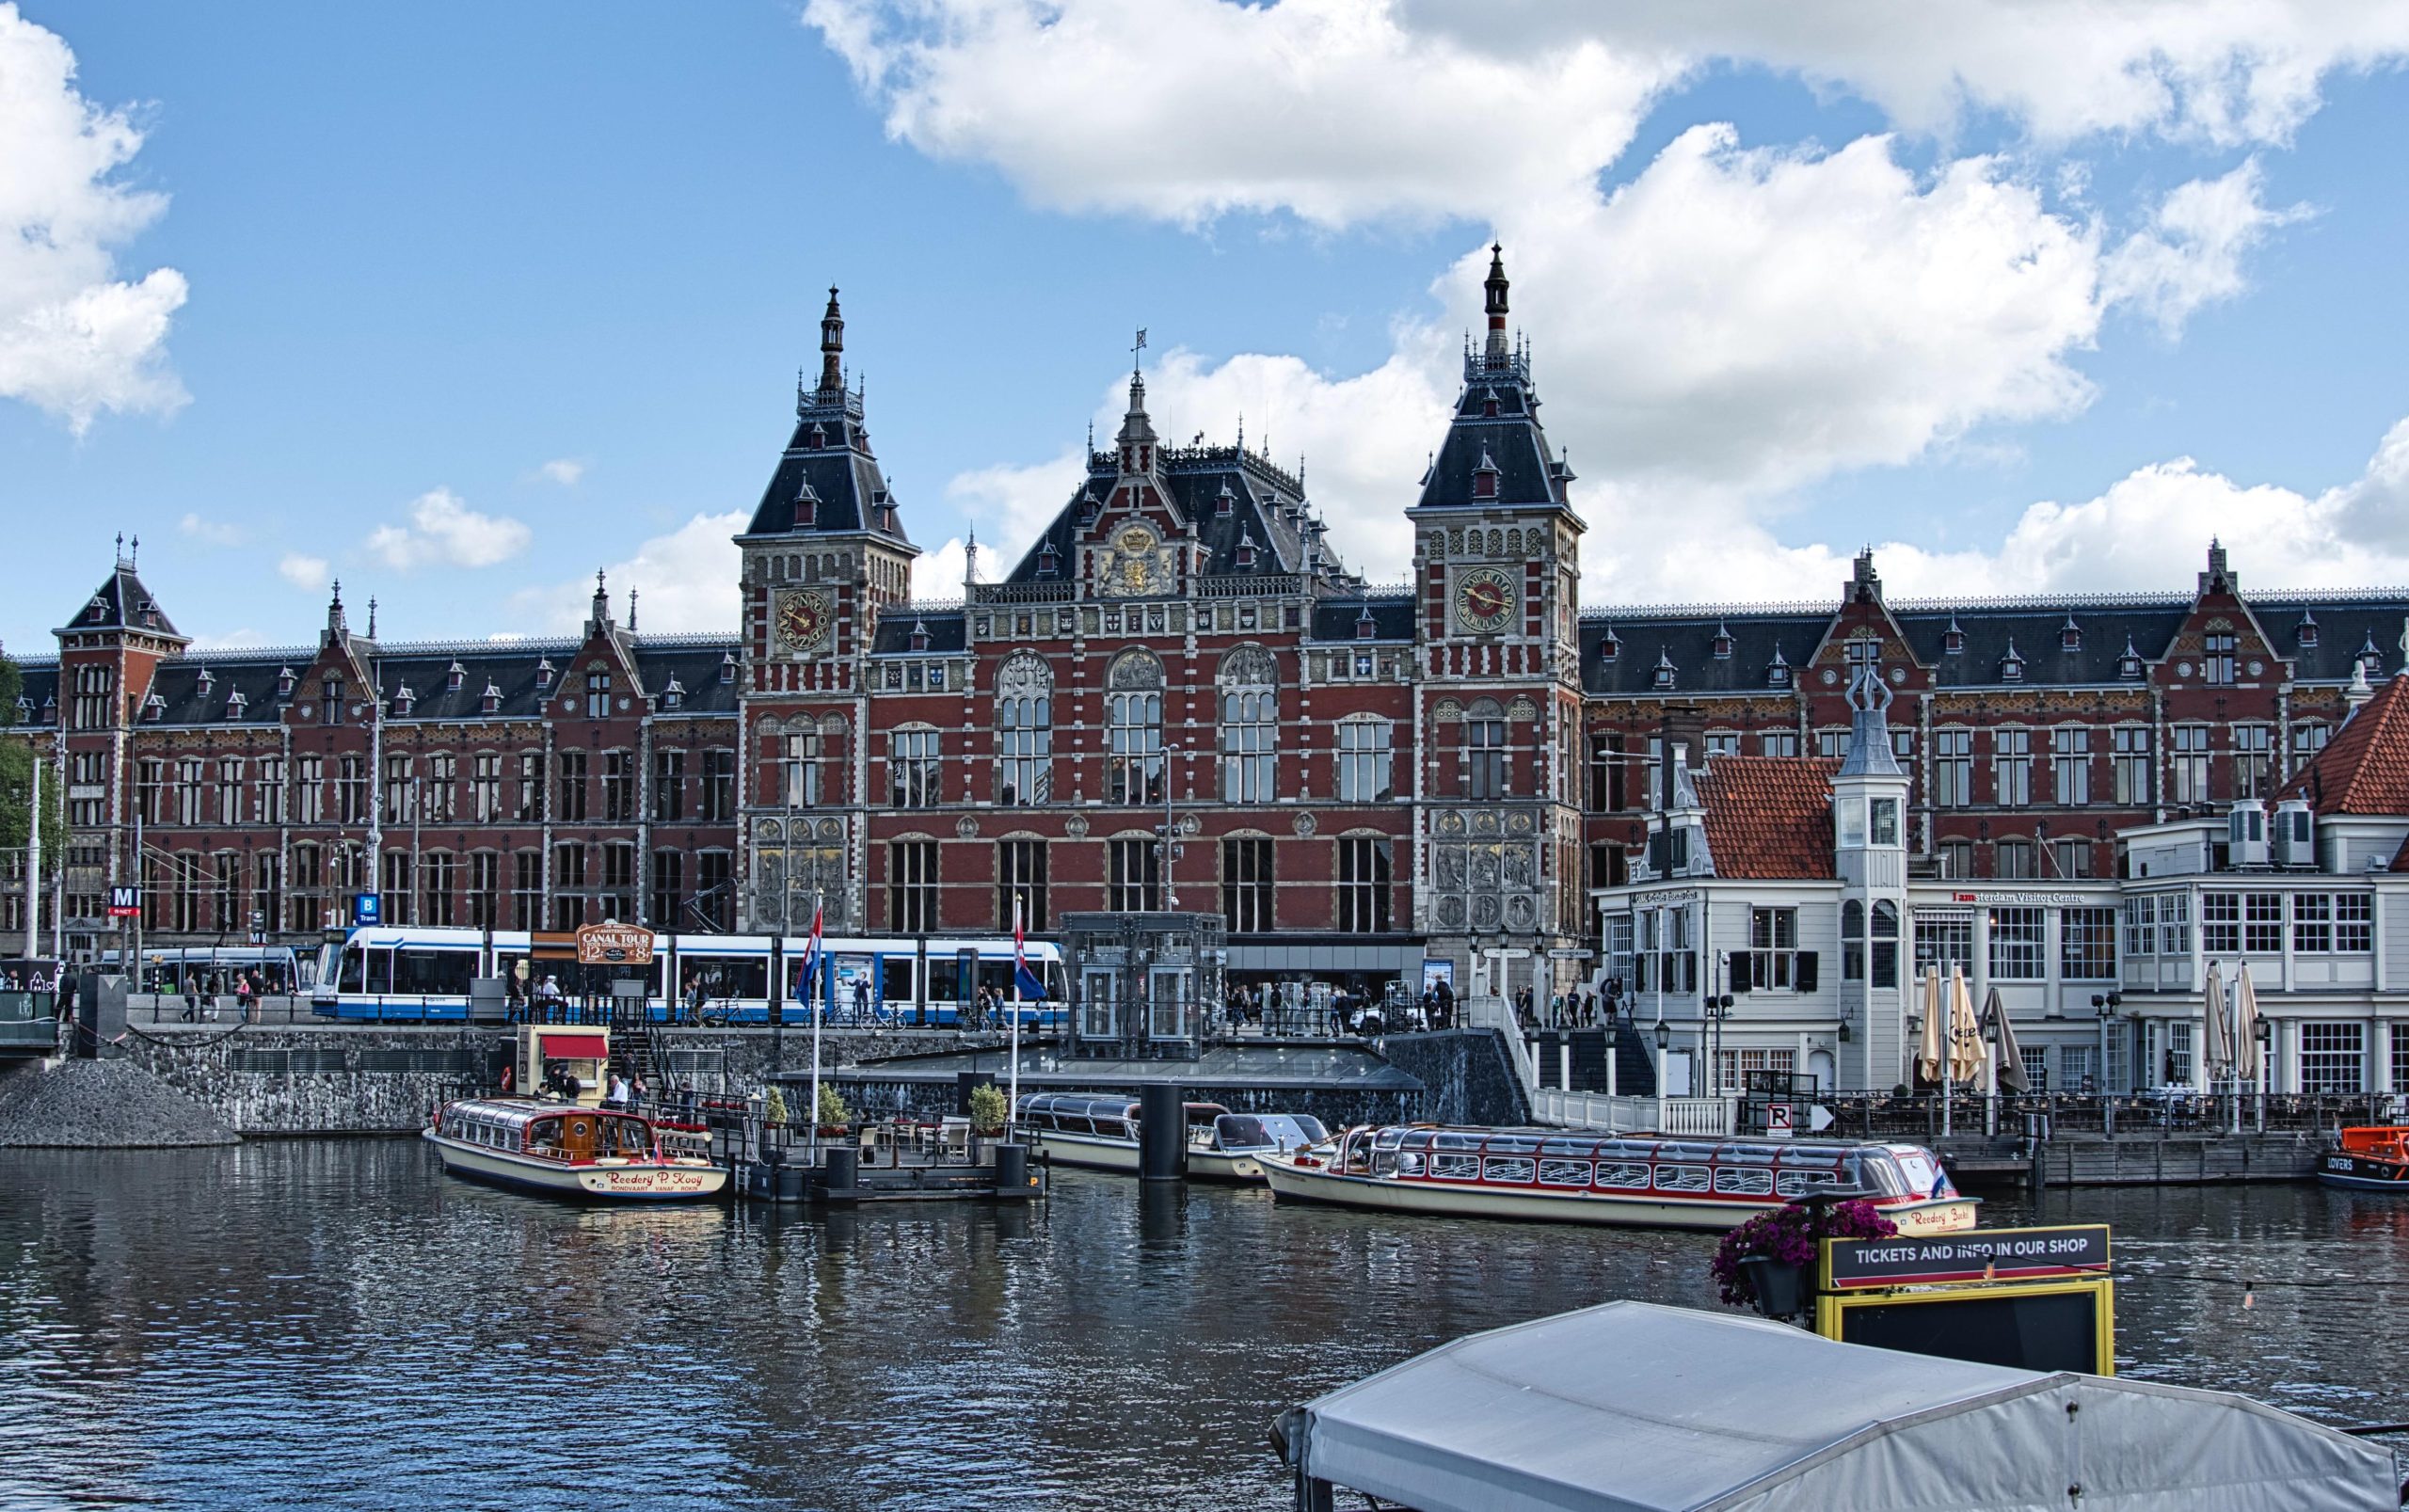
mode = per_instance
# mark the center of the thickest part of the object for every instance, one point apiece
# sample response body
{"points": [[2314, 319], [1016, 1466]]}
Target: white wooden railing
{"points": [[1709, 1116]]}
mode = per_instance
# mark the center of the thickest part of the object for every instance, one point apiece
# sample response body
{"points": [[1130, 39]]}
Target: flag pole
{"points": [[1011, 1072], [819, 950]]}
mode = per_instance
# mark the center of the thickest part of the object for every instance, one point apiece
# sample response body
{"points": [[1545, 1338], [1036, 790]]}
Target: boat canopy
{"points": [[518, 1112], [1633, 1407], [1079, 1105]]}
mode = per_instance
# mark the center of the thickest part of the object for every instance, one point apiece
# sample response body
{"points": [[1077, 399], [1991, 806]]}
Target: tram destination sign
{"points": [[1980, 1254]]}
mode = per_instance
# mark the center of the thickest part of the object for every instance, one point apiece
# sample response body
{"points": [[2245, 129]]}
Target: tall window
{"points": [[351, 790], [2307, 739], [93, 709], [1953, 768], [395, 893], [309, 790], [2012, 859], [2254, 760], [569, 871], [527, 806], [2070, 858], [1773, 947], [527, 890], [1250, 696], [1133, 885], [569, 807], [2017, 945], [439, 876], [1363, 761], [803, 769], [2333, 1057], [1956, 859], [1023, 732], [618, 881], [1606, 771], [668, 887], [484, 788], [912, 775], [2132, 766], [2012, 767], [597, 695], [267, 895], [714, 899], [485, 887], [1246, 884], [442, 787], [1484, 753], [668, 787], [400, 794], [2216, 665], [912, 886], [150, 790], [2070, 765], [719, 786], [1134, 730], [189, 790], [229, 791], [1885, 943], [619, 788], [226, 897], [1365, 867], [333, 689], [2187, 765], [1020, 874]]}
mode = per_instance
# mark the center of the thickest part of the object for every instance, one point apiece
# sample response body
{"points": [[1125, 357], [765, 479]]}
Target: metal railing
{"points": [[1697, 1116], [2047, 1116]]}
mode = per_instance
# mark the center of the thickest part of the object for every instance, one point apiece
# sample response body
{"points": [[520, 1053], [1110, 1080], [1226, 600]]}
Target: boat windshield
{"points": [[1266, 1131]]}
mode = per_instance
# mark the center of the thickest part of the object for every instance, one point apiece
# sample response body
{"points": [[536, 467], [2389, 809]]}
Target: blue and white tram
{"points": [[414, 975]]}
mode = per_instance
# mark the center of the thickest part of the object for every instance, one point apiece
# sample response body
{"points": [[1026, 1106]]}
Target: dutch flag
{"points": [[806, 981], [1024, 982]]}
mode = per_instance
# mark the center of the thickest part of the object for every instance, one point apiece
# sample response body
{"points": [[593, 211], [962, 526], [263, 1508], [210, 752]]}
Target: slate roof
{"points": [[41, 686], [1641, 640], [949, 634], [2365, 767], [1769, 818], [1337, 619], [1267, 508], [844, 476], [122, 602]]}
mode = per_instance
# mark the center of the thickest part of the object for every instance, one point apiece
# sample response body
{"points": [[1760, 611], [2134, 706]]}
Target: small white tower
{"points": [[1869, 832]]}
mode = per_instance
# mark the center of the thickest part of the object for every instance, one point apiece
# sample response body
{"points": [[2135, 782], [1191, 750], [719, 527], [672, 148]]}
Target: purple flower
{"points": [[1785, 1235]]}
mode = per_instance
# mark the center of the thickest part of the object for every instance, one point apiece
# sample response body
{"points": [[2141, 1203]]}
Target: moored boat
{"points": [[1099, 1131], [2370, 1158], [1232, 1147], [568, 1151], [1572, 1176]]}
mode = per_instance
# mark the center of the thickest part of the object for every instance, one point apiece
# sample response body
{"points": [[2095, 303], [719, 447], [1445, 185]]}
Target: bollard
{"points": [[1011, 1166], [840, 1166], [1162, 1133], [789, 1183]]}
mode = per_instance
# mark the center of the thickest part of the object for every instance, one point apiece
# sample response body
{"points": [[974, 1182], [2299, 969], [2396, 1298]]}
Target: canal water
{"points": [[337, 1325]]}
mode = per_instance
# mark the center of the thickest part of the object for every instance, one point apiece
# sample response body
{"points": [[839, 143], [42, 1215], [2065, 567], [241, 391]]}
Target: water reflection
{"points": [[337, 1325]]}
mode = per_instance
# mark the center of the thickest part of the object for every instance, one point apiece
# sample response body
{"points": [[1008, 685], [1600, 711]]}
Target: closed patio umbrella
{"points": [[2247, 1058], [2215, 1053], [2011, 1055], [1930, 1059], [1965, 1034]]}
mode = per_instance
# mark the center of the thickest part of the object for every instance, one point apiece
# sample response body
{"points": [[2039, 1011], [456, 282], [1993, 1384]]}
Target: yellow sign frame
{"points": [[1832, 1307]]}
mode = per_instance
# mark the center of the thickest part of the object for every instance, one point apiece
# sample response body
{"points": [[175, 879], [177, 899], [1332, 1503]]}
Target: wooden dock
{"points": [[2153, 1159]]}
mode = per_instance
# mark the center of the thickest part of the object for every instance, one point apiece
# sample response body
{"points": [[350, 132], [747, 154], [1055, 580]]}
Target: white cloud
{"points": [[1008, 505], [565, 470], [444, 530], [2190, 255], [75, 341], [687, 580], [304, 571], [210, 532], [937, 575]]}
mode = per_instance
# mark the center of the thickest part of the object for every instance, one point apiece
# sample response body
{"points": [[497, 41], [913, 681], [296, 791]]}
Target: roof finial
{"points": [[832, 347], [1135, 348], [970, 558], [372, 617], [134, 557], [632, 609], [1493, 289]]}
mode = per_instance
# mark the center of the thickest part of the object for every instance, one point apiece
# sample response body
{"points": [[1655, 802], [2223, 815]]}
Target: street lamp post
{"points": [[2104, 1006], [1169, 844]]}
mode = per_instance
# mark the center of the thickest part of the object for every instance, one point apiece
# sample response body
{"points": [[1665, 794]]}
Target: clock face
{"points": [[1484, 599], [802, 619]]}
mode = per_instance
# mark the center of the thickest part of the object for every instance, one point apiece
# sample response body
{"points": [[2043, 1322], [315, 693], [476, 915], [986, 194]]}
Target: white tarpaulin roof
{"points": [[1636, 1408]]}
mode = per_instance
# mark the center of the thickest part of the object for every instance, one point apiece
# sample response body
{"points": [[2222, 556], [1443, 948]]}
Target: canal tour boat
{"points": [[2373, 1158], [570, 1151], [1575, 1176], [1099, 1131]]}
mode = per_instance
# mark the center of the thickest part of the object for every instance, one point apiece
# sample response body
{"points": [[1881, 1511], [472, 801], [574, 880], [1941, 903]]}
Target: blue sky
{"points": [[476, 299]]}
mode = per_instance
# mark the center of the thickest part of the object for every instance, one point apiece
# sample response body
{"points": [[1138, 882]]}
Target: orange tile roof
{"points": [[1769, 818], [2365, 767]]}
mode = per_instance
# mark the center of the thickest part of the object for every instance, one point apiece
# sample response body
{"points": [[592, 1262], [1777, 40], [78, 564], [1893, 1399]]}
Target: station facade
{"points": [[1178, 696]]}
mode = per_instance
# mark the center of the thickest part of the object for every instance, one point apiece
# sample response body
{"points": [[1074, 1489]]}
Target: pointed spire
{"points": [[601, 615], [372, 617], [832, 349], [1494, 288], [632, 609]]}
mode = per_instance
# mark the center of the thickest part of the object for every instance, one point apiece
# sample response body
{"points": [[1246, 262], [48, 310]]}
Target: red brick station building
{"points": [[1361, 776]]}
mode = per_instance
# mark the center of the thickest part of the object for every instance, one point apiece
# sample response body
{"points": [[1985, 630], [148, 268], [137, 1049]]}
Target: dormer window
{"points": [[284, 681], [2069, 635], [1722, 644], [99, 609], [25, 710], [726, 668], [154, 709], [2011, 666], [1049, 560], [1245, 553], [1365, 627], [545, 673], [149, 615], [404, 700], [1952, 639], [1489, 404], [920, 635], [1225, 502], [2371, 659], [1777, 675], [1663, 676], [1484, 478], [1609, 648], [673, 696], [490, 702], [235, 703], [455, 675], [2129, 666], [819, 437]]}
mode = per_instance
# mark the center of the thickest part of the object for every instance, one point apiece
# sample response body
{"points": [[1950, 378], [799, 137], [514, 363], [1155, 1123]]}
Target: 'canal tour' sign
{"points": [[1981, 1254], [613, 945]]}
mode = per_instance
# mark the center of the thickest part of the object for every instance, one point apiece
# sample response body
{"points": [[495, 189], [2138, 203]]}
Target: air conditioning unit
{"points": [[2245, 834], [2294, 841]]}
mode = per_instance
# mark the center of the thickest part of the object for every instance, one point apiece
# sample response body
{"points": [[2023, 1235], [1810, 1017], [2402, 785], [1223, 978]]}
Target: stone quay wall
{"points": [[1467, 1076]]}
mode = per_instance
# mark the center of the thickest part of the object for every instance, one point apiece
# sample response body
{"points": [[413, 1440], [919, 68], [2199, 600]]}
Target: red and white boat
{"points": [[1572, 1176], [571, 1150]]}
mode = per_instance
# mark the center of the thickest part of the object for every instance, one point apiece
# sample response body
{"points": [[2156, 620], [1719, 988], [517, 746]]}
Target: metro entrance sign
{"points": [[125, 902]]}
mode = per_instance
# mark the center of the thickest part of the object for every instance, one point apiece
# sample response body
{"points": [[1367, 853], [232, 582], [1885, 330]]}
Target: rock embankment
{"points": [[102, 1104]]}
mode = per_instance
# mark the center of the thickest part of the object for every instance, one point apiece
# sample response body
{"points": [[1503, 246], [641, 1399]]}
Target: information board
{"points": [[2027, 1325], [1981, 1254]]}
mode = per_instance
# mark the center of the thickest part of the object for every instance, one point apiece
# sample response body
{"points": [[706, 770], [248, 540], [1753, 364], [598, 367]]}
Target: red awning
{"points": [[575, 1047]]}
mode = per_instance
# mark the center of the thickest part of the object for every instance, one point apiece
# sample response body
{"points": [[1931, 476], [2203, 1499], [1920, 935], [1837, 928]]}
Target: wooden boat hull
{"points": [[605, 1180], [2340, 1168], [1291, 1182]]}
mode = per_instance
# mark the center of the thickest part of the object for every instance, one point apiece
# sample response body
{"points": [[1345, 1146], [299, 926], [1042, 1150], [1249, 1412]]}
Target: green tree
{"points": [[17, 756]]}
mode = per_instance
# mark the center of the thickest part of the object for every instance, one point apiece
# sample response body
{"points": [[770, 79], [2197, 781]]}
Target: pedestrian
{"points": [[861, 999], [243, 998], [192, 996], [635, 1092], [695, 996]]}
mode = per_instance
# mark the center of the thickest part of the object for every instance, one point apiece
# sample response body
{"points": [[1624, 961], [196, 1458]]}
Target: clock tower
{"points": [[824, 556], [1496, 572]]}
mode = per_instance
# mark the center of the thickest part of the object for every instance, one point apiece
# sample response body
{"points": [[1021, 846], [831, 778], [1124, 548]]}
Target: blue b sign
{"points": [[366, 909]]}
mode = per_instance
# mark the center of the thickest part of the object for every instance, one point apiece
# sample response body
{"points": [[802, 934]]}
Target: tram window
{"points": [[1513, 1170], [1564, 1174], [945, 980], [380, 972], [1632, 1177], [1681, 1178], [433, 972], [723, 976], [1455, 1167], [354, 969], [1744, 1182], [895, 978]]}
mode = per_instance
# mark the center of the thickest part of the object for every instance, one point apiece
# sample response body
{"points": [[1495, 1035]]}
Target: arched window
{"points": [[1023, 732], [1250, 726], [1133, 729]]}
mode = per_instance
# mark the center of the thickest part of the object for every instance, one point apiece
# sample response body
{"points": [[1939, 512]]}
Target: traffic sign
{"points": [[125, 902]]}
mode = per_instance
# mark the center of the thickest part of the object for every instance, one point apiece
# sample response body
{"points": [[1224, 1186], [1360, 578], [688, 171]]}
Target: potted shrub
{"points": [[1764, 1263], [773, 1108], [834, 1117], [987, 1111]]}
